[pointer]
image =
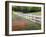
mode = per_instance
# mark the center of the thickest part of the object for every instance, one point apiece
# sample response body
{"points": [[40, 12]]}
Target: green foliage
{"points": [[26, 9]]}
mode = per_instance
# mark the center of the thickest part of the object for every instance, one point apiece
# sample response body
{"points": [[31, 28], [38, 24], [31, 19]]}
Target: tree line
{"points": [[26, 9]]}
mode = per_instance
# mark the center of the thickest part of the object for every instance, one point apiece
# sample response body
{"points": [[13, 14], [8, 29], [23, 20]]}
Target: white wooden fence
{"points": [[33, 18], [36, 19]]}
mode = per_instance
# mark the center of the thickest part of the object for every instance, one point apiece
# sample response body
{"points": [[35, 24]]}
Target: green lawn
{"points": [[33, 26], [36, 13]]}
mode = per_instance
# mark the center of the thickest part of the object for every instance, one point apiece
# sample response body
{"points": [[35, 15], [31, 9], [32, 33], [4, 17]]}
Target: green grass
{"points": [[33, 26], [36, 13]]}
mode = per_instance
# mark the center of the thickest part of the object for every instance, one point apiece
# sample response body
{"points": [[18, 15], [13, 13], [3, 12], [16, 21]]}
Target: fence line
{"points": [[33, 18], [36, 19]]}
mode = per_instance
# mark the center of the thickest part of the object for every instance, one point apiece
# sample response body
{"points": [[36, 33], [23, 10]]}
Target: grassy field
{"points": [[36, 13], [28, 26]]}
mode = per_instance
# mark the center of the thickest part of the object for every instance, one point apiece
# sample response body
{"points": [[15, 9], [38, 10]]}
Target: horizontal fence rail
{"points": [[31, 17]]}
